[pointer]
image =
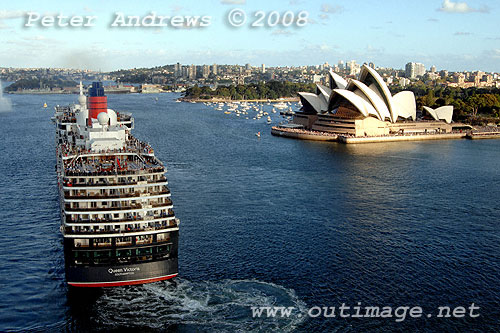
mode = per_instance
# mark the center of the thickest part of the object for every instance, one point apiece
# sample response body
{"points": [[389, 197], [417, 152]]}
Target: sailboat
{"points": [[44, 105]]}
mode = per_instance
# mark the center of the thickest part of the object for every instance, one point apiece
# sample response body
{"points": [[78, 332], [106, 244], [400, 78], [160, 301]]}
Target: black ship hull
{"points": [[96, 271], [120, 275]]}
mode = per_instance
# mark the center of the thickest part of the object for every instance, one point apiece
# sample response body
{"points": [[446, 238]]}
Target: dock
{"points": [[324, 136]]}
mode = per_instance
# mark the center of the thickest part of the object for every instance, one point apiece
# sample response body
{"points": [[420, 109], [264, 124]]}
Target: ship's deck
{"points": [[69, 116], [96, 168], [135, 157], [133, 146]]}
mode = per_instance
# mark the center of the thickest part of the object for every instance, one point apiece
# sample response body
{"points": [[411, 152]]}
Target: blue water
{"points": [[268, 221]]}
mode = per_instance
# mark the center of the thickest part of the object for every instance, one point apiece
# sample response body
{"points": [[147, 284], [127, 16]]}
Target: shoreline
{"points": [[323, 136], [225, 100], [63, 92]]}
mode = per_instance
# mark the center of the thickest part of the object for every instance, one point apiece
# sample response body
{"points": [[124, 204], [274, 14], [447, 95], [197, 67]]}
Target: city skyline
{"points": [[452, 35]]}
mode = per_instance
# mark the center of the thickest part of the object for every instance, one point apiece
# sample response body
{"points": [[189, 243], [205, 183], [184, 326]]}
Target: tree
{"points": [[195, 91]]}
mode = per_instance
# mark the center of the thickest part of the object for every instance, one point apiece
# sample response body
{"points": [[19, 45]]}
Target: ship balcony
{"points": [[148, 218], [130, 230], [69, 184], [132, 207], [133, 147], [136, 194], [112, 172]]}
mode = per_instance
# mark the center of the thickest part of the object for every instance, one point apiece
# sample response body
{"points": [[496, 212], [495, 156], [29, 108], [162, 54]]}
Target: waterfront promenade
{"points": [[302, 134]]}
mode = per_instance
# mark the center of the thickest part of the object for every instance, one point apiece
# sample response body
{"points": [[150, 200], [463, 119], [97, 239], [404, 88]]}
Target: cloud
{"points": [[11, 14], [462, 33], [449, 6], [432, 20], [233, 2], [329, 9], [495, 53], [35, 38], [282, 32], [36, 42], [176, 9], [310, 20], [8, 15], [324, 47]]}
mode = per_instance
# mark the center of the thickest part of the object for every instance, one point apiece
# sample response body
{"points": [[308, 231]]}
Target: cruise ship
{"points": [[118, 222]]}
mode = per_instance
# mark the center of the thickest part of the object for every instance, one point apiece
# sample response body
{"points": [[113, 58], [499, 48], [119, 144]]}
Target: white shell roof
{"points": [[336, 81], [363, 106], [382, 88], [405, 105], [373, 97], [442, 113], [314, 101]]}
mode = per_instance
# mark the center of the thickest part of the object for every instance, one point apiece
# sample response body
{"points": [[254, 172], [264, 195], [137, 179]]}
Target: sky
{"points": [[453, 35]]}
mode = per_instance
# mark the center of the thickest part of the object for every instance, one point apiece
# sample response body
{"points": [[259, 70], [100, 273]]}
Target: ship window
{"points": [[164, 237], [123, 253], [81, 242], [99, 242], [120, 241], [144, 239], [164, 249], [81, 254], [142, 252], [102, 254]]}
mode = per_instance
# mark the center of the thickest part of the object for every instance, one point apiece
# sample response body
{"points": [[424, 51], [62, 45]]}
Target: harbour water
{"points": [[264, 221]]}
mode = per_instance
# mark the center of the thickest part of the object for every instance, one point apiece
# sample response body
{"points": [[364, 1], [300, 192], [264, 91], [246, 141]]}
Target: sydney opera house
{"points": [[365, 107]]}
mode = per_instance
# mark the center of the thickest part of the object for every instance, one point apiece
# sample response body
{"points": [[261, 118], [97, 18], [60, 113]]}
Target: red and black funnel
{"points": [[97, 101]]}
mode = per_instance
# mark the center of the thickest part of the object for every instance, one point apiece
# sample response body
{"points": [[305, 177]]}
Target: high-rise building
{"points": [[433, 69], [206, 71], [316, 78], [177, 70], [214, 69], [192, 72], [185, 72], [247, 67], [459, 78], [414, 70], [263, 68], [353, 67]]}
